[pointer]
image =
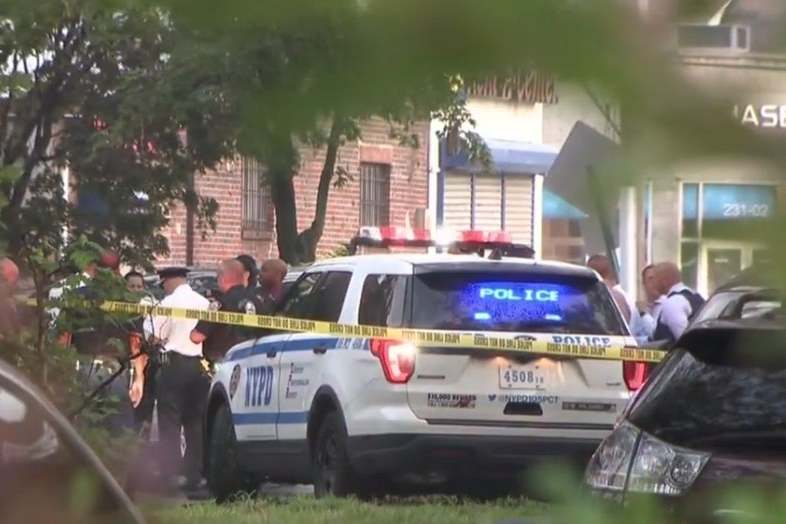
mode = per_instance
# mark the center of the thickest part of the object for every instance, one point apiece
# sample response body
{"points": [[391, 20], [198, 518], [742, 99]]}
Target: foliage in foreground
{"points": [[569, 503]]}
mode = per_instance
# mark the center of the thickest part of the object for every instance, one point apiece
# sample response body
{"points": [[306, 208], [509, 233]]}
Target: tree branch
{"points": [[326, 176], [309, 238]]}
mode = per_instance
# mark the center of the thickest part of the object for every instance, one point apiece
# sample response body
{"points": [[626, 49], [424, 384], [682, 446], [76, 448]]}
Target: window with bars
{"points": [[255, 202], [374, 194]]}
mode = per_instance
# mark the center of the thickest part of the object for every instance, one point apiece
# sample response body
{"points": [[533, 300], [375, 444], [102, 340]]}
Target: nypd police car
{"points": [[352, 415]]}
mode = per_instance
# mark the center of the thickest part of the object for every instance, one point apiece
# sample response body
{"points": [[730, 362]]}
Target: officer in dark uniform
{"points": [[251, 271], [217, 339]]}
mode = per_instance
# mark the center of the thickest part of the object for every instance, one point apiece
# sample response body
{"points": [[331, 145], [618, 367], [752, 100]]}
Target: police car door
{"points": [[256, 371], [304, 353], [253, 386]]}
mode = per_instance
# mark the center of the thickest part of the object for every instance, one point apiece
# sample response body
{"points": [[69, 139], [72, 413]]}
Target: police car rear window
{"points": [[513, 302]]}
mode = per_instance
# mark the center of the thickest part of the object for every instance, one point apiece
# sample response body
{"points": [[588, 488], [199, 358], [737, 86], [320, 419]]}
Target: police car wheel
{"points": [[333, 475], [225, 478]]}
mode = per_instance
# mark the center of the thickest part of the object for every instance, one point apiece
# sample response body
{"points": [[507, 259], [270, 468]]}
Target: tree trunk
{"points": [[309, 238], [282, 192]]}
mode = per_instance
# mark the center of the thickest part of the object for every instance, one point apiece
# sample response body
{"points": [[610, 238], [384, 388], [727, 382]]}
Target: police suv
{"points": [[353, 415]]}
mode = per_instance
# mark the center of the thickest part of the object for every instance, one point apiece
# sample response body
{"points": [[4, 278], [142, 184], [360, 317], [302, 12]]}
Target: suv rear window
{"points": [[514, 302]]}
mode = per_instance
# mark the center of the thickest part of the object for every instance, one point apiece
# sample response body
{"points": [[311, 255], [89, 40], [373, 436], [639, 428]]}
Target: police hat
{"points": [[173, 272]]}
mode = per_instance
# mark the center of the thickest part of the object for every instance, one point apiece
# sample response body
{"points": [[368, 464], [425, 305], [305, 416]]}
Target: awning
{"points": [[585, 150], [555, 207], [508, 156]]}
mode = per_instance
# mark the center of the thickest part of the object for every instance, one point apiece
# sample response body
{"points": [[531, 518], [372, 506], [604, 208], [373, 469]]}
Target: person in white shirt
{"points": [[182, 383], [680, 305], [602, 265]]}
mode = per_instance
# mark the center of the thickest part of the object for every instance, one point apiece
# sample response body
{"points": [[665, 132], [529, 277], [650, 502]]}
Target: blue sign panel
{"points": [[732, 202]]}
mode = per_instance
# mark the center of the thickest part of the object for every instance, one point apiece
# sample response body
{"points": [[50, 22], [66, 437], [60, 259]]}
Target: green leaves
{"points": [[82, 252]]}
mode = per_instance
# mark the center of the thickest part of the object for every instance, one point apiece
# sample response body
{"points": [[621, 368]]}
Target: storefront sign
{"points": [[729, 202], [529, 87], [766, 116]]}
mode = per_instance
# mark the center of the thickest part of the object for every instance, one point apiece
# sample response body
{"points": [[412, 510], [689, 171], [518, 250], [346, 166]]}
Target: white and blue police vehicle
{"points": [[352, 415]]}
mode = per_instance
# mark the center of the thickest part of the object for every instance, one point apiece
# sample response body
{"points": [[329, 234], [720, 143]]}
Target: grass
{"points": [[307, 510]]}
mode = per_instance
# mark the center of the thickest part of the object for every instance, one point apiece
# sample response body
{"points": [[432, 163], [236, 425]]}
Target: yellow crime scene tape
{"points": [[418, 337]]}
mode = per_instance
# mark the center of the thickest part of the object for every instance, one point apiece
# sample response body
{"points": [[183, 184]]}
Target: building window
{"points": [[255, 202], [690, 210], [374, 194], [689, 262]]}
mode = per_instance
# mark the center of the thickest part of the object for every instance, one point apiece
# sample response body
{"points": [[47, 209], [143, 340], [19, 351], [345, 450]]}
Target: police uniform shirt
{"points": [[266, 303], [221, 337], [675, 312], [175, 333]]}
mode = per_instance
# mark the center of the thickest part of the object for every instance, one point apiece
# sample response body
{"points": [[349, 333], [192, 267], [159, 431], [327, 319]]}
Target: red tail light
{"points": [[635, 374], [397, 359]]}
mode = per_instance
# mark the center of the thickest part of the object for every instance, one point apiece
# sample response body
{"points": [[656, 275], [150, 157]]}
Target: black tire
{"points": [[332, 472], [226, 480]]}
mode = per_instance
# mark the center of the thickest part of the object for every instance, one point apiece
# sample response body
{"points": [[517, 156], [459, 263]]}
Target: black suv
{"points": [[713, 414]]}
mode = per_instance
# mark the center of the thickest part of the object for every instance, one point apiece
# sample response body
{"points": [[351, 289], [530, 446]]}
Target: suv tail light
{"points": [[635, 374], [397, 359]]}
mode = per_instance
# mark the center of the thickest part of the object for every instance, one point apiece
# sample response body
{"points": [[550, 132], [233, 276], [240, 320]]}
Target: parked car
{"points": [[47, 472], [750, 294], [712, 414]]}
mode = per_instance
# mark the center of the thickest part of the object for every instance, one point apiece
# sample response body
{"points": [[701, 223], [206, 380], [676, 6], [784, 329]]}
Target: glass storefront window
{"points": [[689, 262], [690, 210]]}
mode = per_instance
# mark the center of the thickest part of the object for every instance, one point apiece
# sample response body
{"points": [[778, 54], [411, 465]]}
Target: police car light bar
{"points": [[389, 236], [392, 236]]}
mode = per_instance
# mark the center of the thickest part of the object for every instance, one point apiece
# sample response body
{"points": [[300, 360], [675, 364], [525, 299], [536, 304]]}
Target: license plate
{"points": [[522, 377]]}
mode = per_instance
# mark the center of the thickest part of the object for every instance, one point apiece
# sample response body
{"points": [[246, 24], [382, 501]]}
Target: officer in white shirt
{"points": [[680, 305], [183, 382]]}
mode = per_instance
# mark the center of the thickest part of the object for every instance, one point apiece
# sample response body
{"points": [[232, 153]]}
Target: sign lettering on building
{"points": [[768, 116], [530, 87]]}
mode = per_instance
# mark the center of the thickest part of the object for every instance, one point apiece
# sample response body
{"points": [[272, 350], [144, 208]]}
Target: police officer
{"points": [[235, 297], [183, 382]]}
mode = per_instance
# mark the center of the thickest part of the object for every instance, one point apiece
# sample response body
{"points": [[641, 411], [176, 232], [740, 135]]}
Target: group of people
{"points": [[175, 376], [669, 304], [177, 379]]}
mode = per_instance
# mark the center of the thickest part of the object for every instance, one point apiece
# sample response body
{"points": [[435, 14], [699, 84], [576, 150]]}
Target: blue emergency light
{"points": [[514, 302]]}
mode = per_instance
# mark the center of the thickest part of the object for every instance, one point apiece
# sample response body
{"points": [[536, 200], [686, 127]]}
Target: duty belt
{"points": [[167, 357]]}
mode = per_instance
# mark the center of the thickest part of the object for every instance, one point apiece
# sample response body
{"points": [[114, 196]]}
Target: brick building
{"points": [[388, 185]]}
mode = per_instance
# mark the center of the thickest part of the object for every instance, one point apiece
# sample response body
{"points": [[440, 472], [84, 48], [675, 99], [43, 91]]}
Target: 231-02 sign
{"points": [[746, 210]]}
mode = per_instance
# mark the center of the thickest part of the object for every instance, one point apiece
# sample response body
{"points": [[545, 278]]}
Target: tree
{"points": [[282, 78], [94, 87]]}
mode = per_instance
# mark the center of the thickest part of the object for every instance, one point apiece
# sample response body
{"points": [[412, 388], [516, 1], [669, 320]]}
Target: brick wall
{"points": [[408, 192]]}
